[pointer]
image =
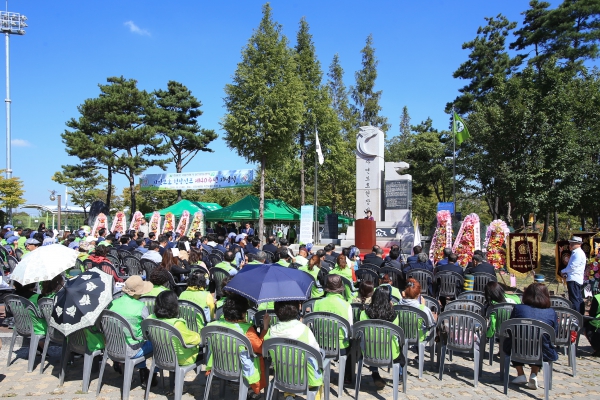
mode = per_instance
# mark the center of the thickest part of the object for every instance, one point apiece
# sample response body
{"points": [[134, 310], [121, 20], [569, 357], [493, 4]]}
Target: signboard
{"points": [[446, 207], [519, 259], [197, 180], [385, 232], [306, 224], [398, 195]]}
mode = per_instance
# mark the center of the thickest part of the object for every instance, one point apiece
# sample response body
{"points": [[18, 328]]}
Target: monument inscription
{"points": [[398, 195]]}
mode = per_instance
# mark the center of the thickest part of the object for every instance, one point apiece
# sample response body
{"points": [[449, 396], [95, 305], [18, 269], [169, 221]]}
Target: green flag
{"points": [[459, 128]]}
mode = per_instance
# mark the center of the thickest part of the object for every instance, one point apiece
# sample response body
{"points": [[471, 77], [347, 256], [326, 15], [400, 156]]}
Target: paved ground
{"points": [[457, 382]]}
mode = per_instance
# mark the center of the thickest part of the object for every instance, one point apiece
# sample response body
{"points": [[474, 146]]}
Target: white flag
{"points": [[318, 146]]}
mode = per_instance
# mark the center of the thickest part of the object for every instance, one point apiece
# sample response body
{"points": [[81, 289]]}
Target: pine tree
{"points": [[112, 133], [366, 99], [317, 116], [176, 119], [534, 32], [489, 63], [264, 103], [343, 181]]}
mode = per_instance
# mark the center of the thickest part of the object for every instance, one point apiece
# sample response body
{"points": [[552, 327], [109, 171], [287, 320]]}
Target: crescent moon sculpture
{"points": [[366, 146]]}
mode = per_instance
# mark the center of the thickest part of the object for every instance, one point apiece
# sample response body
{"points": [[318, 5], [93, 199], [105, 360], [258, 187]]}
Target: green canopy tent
{"points": [[247, 209], [192, 206]]}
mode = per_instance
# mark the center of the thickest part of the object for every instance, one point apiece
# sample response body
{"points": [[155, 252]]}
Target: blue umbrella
{"points": [[262, 283]]}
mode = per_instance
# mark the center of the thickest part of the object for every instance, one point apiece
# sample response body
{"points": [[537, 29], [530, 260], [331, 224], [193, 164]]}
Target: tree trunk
{"points": [[556, 234], [108, 188], [132, 192], [583, 223], [302, 183], [178, 168], [261, 214], [333, 197], [546, 226]]}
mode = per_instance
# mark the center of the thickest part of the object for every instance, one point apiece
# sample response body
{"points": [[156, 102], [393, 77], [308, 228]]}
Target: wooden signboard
{"points": [[519, 260], [562, 254]]}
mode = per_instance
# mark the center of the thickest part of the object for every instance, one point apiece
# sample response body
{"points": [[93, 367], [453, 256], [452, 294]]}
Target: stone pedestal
{"points": [[369, 172]]}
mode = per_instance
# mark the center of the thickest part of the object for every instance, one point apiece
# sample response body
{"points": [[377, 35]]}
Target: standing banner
{"points": [[519, 260], [306, 224], [197, 180]]}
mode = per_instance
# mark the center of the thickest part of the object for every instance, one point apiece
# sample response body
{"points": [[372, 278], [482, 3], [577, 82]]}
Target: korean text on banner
{"points": [[306, 224], [197, 180]]}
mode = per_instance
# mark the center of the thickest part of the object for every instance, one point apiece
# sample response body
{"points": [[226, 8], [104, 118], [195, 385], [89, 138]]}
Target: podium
{"points": [[365, 235]]}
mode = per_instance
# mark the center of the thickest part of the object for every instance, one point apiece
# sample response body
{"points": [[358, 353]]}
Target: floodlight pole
{"points": [[11, 23]]}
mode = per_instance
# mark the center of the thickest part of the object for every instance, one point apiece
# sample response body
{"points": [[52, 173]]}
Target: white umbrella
{"points": [[44, 263]]}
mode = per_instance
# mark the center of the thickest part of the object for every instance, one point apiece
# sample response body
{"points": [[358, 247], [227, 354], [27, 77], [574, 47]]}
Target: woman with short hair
{"points": [[166, 309], [196, 293], [234, 317], [381, 308], [536, 305], [494, 294]]}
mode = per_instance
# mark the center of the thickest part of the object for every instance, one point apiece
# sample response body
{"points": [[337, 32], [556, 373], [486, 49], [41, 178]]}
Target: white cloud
{"points": [[133, 28], [20, 143]]}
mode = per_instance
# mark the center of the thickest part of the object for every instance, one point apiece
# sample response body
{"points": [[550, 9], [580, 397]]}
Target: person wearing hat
{"points": [[31, 245], [133, 310], [573, 273]]}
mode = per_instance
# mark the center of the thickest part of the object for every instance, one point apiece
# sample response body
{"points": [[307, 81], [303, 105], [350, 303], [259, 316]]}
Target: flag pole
{"points": [[316, 222], [454, 160]]}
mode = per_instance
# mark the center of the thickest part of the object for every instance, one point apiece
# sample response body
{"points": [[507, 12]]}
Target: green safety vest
{"points": [[596, 323], [156, 290], [227, 267], [313, 380], [130, 309], [40, 327], [336, 304], [283, 263], [197, 297], [315, 291], [251, 370], [509, 298], [346, 272], [185, 356], [395, 344]]}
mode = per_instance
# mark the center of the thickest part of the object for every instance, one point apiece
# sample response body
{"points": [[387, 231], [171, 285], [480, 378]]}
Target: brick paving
{"points": [[457, 381]]}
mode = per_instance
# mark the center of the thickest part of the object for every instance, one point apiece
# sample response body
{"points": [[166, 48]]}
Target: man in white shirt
{"points": [[573, 274], [153, 253]]}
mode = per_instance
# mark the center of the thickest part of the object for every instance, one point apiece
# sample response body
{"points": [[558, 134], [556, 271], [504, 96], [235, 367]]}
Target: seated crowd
{"points": [[181, 260]]}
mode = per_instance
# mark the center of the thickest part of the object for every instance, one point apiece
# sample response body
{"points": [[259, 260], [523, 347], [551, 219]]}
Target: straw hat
{"points": [[136, 286]]}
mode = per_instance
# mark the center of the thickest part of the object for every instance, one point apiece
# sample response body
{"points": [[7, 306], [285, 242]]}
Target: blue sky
{"points": [[72, 46]]}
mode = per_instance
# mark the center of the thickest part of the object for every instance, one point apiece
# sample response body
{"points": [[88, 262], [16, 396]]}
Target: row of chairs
{"points": [[453, 333]]}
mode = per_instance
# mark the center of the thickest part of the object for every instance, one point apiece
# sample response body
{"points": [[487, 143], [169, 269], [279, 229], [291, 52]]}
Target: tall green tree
{"points": [[176, 119], [83, 180], [264, 103], [342, 171], [365, 97], [112, 133], [535, 33], [488, 65], [318, 115], [575, 26]]}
